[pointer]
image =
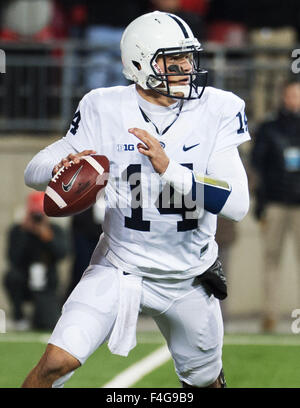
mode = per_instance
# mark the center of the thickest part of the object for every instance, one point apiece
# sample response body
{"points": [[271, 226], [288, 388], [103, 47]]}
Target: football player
{"points": [[174, 167]]}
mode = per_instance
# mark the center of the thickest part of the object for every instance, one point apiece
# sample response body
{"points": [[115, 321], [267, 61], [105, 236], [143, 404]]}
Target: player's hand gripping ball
{"points": [[75, 188]]}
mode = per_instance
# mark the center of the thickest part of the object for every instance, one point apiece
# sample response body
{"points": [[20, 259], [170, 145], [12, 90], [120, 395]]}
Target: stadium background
{"points": [[47, 59]]}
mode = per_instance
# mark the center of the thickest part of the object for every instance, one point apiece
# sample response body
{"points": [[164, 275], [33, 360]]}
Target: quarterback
{"points": [[174, 168]]}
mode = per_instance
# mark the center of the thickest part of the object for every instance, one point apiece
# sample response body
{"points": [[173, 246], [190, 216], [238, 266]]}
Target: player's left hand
{"points": [[151, 148]]}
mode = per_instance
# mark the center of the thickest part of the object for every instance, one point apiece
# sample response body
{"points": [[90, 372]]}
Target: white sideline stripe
{"points": [[55, 197], [138, 370], [94, 164]]}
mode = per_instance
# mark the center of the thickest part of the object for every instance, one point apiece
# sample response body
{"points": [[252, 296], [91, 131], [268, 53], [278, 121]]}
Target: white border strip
{"points": [[94, 164], [138, 370], [55, 197]]}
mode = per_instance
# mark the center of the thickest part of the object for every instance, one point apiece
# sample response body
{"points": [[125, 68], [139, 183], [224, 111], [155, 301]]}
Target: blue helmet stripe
{"points": [[185, 33]]}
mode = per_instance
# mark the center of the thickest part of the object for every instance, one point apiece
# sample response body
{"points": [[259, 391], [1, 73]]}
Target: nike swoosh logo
{"points": [[185, 149], [67, 187]]}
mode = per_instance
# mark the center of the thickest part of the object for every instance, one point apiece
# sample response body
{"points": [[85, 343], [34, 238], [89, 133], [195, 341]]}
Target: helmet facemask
{"points": [[161, 81]]}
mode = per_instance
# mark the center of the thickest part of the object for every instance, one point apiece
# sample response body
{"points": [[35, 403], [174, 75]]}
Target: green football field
{"points": [[250, 361]]}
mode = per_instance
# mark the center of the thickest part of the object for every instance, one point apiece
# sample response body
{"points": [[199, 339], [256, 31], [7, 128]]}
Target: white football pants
{"points": [[188, 318]]}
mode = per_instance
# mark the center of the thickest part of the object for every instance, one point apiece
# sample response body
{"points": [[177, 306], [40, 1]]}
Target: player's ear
{"points": [[137, 65]]}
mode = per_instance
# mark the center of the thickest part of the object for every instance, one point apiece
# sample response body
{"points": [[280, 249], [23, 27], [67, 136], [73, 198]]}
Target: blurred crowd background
{"points": [[56, 51]]}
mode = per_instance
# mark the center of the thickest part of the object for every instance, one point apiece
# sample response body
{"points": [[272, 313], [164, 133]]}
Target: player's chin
{"points": [[179, 93]]}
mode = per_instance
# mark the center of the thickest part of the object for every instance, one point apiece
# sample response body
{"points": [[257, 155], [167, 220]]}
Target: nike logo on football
{"points": [[67, 187], [185, 148]]}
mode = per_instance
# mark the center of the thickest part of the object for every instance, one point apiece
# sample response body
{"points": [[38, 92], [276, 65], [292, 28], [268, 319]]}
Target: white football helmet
{"points": [[161, 34]]}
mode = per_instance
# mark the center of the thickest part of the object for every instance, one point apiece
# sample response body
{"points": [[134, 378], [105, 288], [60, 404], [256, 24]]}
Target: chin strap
{"points": [[184, 89]]}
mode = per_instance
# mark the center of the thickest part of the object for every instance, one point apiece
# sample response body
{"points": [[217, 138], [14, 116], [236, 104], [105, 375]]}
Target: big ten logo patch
{"points": [[125, 147]]}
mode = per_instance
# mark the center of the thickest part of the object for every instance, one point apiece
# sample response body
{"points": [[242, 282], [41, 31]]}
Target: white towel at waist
{"points": [[123, 336]]}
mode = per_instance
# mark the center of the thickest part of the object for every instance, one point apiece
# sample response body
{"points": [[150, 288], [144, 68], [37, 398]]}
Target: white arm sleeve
{"points": [[227, 165], [38, 172], [224, 168]]}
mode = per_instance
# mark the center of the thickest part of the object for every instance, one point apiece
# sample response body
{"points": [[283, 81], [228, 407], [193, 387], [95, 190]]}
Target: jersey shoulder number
{"points": [[75, 122]]}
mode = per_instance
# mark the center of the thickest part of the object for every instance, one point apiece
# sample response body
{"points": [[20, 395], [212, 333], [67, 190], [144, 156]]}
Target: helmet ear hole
{"points": [[137, 65]]}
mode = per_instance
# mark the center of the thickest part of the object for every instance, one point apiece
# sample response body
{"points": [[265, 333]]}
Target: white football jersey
{"points": [[144, 233]]}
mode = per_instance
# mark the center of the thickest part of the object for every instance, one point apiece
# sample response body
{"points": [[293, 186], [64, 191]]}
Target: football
{"points": [[74, 189]]}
